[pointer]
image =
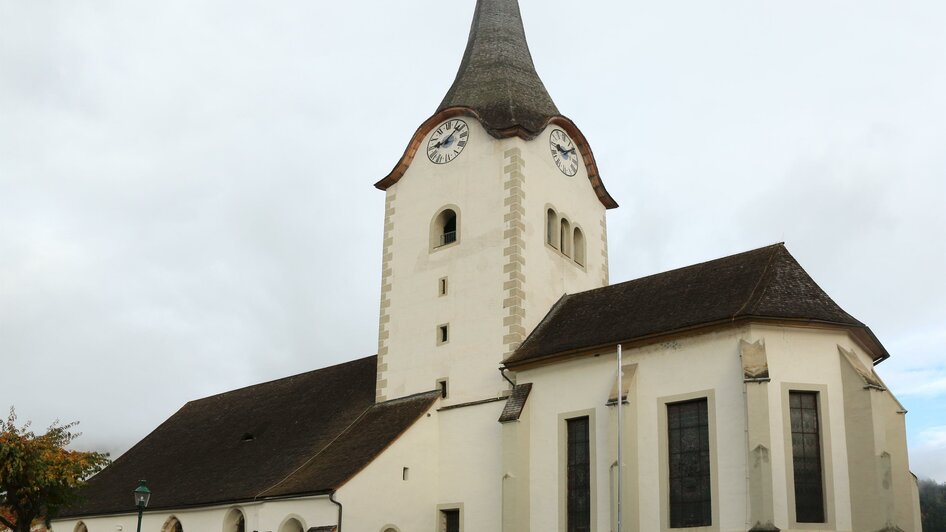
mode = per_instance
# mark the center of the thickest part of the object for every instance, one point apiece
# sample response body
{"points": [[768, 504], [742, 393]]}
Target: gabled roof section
{"points": [[496, 78], [766, 283], [238, 445]]}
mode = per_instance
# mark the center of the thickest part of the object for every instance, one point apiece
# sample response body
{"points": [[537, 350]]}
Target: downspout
{"points": [[331, 497], [502, 371]]}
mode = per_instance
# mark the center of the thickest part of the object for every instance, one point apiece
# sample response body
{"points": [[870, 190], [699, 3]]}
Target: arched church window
{"points": [[566, 235], [172, 525], [445, 228], [235, 521], [292, 525], [551, 228], [80, 527], [578, 244]]}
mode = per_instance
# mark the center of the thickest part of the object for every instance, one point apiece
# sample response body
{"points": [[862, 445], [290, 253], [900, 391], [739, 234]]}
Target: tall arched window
{"points": [[578, 244], [551, 228], [445, 228], [234, 521], [566, 235], [80, 527]]}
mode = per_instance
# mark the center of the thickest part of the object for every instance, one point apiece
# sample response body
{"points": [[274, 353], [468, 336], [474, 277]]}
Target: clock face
{"points": [[564, 152], [447, 141]]}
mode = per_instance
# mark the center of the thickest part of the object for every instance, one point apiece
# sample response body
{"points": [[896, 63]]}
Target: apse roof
{"points": [[765, 283], [304, 434], [497, 78]]}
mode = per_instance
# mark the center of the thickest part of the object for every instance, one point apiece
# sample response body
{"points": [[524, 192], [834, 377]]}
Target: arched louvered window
{"points": [[551, 228], [565, 235], [578, 244]]}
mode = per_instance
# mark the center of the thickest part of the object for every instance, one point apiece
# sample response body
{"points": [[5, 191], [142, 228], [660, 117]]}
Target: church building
{"points": [[748, 398]]}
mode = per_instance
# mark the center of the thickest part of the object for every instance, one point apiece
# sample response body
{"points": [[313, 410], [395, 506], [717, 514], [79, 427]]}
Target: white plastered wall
{"points": [[453, 459], [501, 188], [262, 516], [694, 364]]}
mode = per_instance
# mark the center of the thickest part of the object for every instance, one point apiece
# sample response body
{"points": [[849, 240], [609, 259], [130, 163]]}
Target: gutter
{"points": [[331, 497]]}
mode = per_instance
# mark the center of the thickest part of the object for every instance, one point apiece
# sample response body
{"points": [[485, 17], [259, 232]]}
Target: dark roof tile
{"points": [[762, 283], [515, 403], [236, 445]]}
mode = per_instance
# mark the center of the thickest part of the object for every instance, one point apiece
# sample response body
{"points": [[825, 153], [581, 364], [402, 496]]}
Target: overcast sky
{"points": [[186, 200]]}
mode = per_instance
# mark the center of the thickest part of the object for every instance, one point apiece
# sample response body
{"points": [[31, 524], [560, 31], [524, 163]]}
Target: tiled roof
{"points": [[766, 283], [515, 403], [306, 433]]}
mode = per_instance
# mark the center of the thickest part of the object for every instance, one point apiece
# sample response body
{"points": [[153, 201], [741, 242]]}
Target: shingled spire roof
{"points": [[497, 78]]}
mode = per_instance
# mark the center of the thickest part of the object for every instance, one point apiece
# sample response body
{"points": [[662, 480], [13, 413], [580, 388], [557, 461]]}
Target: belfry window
{"points": [[565, 236], [551, 228], [445, 228], [578, 243]]}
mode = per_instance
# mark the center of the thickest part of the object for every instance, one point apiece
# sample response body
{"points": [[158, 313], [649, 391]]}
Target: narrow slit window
{"points": [[442, 386], [443, 333], [565, 235], [806, 457], [405, 472], [442, 286]]}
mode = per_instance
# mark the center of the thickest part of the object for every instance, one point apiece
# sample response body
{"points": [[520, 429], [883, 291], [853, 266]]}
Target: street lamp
{"points": [[142, 496]]}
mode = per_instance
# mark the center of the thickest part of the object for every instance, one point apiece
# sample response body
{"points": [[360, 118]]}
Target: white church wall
{"points": [[262, 516], [471, 464], [454, 461], [414, 360], [550, 273], [806, 359], [708, 364], [381, 496]]}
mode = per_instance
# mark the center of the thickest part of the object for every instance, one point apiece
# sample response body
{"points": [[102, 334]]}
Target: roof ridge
{"points": [[764, 275], [681, 268], [287, 377]]}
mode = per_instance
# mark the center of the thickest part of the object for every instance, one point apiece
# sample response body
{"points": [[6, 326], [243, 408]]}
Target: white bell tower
{"points": [[494, 211]]}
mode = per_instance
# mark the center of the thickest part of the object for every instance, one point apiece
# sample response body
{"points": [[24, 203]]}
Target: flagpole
{"points": [[620, 431]]}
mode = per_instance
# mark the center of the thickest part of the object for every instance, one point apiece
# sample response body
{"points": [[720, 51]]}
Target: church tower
{"points": [[494, 211]]}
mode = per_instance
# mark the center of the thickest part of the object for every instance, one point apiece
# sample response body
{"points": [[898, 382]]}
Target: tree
{"points": [[933, 505], [38, 475]]}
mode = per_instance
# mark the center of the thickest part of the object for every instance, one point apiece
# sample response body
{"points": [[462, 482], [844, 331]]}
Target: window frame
{"points": [[664, 457], [827, 467], [447, 507], [563, 466]]}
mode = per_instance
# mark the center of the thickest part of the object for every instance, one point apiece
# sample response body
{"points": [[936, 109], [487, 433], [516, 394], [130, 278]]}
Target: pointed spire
{"points": [[497, 78]]}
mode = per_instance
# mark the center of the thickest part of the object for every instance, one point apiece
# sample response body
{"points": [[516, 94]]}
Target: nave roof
{"points": [[304, 434]]}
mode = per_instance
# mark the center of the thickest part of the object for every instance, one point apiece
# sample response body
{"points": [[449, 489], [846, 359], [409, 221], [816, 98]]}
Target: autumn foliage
{"points": [[38, 475]]}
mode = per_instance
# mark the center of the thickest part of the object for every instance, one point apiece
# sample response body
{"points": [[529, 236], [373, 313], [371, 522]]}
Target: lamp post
{"points": [[142, 496]]}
